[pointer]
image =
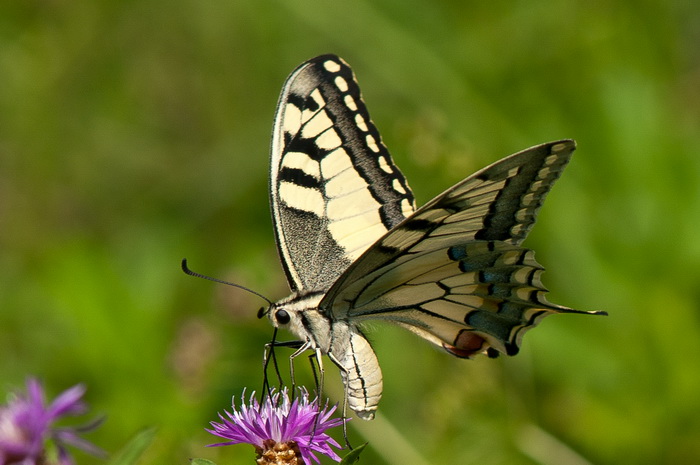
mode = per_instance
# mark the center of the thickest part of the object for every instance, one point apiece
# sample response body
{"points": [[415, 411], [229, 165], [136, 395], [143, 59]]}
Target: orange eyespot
{"points": [[467, 344]]}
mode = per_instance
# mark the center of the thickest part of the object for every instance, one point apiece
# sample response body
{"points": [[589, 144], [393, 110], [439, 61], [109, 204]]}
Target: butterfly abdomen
{"points": [[359, 369]]}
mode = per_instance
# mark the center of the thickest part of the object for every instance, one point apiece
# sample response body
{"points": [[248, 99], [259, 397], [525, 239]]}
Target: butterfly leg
{"points": [[315, 359], [345, 400], [270, 355], [306, 345]]}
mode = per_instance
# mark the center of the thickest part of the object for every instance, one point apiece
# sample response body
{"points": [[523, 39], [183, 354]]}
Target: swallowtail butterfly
{"points": [[355, 248]]}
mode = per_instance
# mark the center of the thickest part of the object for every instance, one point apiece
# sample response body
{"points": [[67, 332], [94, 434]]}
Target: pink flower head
{"points": [[26, 426], [282, 431]]}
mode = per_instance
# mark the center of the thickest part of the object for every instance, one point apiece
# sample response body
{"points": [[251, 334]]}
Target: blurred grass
{"points": [[133, 134]]}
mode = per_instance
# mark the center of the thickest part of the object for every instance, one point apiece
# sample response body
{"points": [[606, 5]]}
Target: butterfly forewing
{"points": [[334, 188]]}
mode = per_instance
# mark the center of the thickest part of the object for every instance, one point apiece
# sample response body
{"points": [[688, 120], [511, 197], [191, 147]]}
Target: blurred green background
{"points": [[136, 133]]}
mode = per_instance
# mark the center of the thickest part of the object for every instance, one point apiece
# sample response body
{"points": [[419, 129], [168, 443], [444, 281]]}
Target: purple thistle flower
{"points": [[26, 425], [282, 431]]}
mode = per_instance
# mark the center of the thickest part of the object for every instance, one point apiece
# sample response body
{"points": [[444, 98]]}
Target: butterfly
{"points": [[355, 249]]}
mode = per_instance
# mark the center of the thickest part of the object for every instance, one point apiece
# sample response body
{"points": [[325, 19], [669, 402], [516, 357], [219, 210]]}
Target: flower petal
{"points": [[70, 437], [68, 402]]}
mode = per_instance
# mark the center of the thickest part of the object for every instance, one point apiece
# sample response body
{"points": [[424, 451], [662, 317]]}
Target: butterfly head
{"points": [[280, 316], [299, 314]]}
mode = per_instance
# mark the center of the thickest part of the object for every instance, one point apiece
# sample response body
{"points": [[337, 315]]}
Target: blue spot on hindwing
{"points": [[457, 252], [489, 323], [495, 276]]}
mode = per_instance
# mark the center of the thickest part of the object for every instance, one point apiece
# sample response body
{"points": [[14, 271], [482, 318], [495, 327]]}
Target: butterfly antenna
{"points": [[220, 281]]}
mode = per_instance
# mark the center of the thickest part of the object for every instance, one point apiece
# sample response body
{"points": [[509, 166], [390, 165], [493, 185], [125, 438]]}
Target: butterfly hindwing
{"points": [[334, 188], [499, 202], [453, 271], [467, 298]]}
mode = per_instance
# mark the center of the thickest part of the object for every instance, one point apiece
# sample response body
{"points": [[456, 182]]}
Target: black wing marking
{"points": [[334, 187]]}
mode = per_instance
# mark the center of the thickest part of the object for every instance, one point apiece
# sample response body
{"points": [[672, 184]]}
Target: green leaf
{"points": [[133, 450], [353, 455], [201, 462]]}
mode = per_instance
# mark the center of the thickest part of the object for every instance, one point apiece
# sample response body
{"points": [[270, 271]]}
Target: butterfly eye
{"points": [[282, 317]]}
